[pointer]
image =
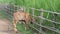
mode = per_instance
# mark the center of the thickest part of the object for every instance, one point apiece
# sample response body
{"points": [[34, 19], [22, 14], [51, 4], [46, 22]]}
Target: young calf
{"points": [[22, 16]]}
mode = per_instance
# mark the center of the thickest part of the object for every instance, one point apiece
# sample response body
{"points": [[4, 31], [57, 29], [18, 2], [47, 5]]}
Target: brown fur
{"points": [[20, 15]]}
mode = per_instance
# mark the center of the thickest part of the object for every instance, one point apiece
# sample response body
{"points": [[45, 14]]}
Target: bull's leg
{"points": [[26, 25], [14, 25]]}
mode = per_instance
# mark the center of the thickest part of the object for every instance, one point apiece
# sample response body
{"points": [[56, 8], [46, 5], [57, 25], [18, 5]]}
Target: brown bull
{"points": [[22, 16]]}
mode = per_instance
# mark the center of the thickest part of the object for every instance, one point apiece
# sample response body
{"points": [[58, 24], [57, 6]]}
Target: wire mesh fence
{"points": [[52, 17]]}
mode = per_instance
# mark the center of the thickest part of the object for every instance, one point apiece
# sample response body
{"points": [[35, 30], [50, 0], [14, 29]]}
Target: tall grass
{"points": [[45, 4]]}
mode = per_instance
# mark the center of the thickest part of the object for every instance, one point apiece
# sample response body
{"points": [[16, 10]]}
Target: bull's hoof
{"points": [[18, 32]]}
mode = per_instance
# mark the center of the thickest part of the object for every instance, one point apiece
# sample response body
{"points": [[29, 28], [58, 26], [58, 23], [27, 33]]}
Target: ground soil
{"points": [[6, 27]]}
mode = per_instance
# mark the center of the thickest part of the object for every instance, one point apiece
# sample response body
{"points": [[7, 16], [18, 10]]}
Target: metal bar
{"points": [[7, 13], [32, 13], [41, 20], [50, 28], [47, 19], [44, 10], [38, 30], [7, 8]]}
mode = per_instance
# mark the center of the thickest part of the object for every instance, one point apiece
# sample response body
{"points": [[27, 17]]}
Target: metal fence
{"points": [[42, 19], [11, 8]]}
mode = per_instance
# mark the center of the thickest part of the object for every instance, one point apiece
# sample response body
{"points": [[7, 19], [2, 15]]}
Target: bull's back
{"points": [[28, 16], [19, 15]]}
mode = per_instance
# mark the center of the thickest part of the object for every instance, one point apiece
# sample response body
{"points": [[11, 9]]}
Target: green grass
{"points": [[21, 28], [2, 14], [45, 4]]}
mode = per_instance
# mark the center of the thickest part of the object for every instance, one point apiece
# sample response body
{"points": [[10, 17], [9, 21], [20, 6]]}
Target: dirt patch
{"points": [[5, 26]]}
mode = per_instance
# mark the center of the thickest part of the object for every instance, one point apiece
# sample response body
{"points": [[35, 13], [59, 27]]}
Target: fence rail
{"points": [[47, 19], [50, 28], [42, 18]]}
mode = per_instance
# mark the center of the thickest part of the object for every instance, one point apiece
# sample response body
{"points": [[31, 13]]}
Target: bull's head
{"points": [[33, 20]]}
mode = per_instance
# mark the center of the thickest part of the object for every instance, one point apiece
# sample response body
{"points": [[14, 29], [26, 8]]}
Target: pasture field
{"points": [[50, 5]]}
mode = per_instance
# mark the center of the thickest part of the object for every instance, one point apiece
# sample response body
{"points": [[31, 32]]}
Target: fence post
{"points": [[41, 20], [28, 10], [24, 8], [32, 11], [54, 19], [33, 14]]}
